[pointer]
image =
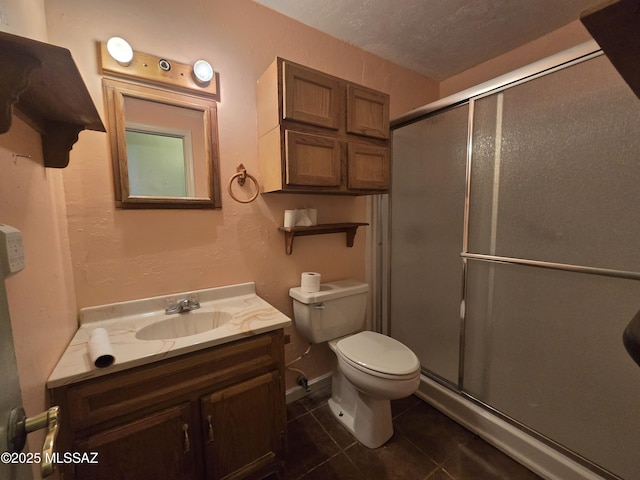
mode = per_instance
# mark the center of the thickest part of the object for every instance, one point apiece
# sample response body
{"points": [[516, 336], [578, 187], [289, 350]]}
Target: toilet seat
{"points": [[378, 355]]}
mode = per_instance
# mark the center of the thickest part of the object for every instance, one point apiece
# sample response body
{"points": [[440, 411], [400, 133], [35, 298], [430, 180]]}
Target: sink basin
{"points": [[183, 325]]}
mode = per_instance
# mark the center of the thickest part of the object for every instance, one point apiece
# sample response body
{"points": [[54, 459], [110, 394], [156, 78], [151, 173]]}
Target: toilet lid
{"points": [[378, 352]]}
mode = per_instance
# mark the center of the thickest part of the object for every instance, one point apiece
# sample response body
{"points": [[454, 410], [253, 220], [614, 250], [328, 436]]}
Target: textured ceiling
{"points": [[438, 38]]}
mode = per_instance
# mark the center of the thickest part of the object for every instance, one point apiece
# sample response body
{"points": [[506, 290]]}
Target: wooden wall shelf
{"points": [[44, 84], [291, 232], [615, 26]]}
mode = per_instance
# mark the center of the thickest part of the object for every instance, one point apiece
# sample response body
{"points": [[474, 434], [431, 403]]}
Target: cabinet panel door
{"points": [[312, 160], [160, 445], [367, 112], [243, 427], [310, 97], [368, 167]]}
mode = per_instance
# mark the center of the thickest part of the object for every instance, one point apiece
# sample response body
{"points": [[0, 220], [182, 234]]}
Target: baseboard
{"points": [[525, 449], [318, 383]]}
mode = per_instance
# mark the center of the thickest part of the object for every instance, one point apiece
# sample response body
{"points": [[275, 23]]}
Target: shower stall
{"points": [[514, 246]]}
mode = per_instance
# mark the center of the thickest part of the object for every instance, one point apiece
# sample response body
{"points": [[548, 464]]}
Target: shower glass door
{"points": [[554, 191], [523, 207], [427, 220]]}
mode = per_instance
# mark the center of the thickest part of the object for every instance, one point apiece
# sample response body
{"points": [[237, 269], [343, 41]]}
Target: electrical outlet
{"points": [[11, 250]]}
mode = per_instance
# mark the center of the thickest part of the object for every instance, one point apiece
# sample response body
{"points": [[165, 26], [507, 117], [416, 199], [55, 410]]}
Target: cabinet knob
{"points": [[210, 429], [187, 442], [19, 426]]}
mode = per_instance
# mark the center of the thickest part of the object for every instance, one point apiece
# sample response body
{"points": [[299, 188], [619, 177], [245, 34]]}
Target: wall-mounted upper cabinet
{"points": [[321, 134], [367, 112], [310, 97]]}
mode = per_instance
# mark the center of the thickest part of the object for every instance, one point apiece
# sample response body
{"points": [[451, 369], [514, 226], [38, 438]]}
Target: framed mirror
{"points": [[164, 147]]}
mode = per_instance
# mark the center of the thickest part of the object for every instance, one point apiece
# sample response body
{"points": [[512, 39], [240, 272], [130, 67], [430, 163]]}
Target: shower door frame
{"points": [[380, 215], [380, 211]]}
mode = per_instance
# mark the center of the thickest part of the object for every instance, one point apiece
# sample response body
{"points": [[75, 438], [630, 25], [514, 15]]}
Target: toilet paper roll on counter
{"points": [[100, 350], [310, 282]]}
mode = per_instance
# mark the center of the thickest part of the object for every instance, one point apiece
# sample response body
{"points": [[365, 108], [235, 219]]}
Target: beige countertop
{"points": [[250, 315]]}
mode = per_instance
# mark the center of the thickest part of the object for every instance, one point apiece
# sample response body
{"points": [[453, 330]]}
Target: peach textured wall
{"points": [[41, 297], [126, 254], [566, 37], [25, 18]]}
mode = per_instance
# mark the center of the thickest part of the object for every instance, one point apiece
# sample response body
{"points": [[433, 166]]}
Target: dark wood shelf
{"points": [[44, 84], [614, 25], [349, 228]]}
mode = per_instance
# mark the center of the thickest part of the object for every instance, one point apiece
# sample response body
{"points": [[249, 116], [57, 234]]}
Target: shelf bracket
{"points": [[57, 143], [350, 229]]}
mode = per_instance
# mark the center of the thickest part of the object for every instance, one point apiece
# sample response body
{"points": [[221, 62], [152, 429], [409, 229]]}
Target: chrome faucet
{"points": [[182, 306]]}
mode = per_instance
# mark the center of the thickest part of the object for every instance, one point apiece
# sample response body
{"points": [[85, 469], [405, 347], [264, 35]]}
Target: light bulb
{"points": [[203, 71], [120, 50]]}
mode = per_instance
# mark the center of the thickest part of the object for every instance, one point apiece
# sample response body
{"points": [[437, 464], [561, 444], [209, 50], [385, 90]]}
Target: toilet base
{"points": [[367, 418]]}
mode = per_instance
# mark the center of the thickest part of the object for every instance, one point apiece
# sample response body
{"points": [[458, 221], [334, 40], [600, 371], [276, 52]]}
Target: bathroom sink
{"points": [[184, 325]]}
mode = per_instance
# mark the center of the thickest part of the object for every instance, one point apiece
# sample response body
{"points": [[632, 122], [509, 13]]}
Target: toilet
{"points": [[372, 368]]}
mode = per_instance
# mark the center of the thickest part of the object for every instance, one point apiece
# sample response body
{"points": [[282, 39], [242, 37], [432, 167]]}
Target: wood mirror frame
{"points": [[127, 105]]}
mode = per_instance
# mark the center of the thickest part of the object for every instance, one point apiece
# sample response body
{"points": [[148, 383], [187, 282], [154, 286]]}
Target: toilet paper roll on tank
{"points": [[310, 282]]}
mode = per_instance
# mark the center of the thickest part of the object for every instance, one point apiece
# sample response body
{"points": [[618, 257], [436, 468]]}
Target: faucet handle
{"points": [[170, 305], [184, 305], [193, 301]]}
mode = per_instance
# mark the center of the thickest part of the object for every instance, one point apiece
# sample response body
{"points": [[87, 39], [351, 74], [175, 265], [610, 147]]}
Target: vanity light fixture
{"points": [[164, 65], [120, 50], [203, 71], [119, 59]]}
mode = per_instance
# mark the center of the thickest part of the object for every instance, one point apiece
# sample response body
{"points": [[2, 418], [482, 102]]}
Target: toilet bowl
{"points": [[372, 369]]}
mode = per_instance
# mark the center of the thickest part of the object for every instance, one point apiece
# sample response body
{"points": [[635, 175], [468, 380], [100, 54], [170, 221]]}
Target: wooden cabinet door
{"points": [[312, 160], [368, 167], [367, 112], [310, 96], [160, 445], [243, 428]]}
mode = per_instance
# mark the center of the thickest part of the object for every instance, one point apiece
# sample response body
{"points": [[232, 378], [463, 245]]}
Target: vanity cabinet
{"points": [[214, 414], [153, 446], [321, 134], [239, 427]]}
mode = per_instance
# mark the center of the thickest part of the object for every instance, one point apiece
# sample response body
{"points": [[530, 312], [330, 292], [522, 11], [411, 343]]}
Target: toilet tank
{"points": [[338, 309]]}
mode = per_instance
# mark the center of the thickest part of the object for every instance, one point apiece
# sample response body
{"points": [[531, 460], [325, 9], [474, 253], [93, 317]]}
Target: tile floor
{"points": [[426, 445]]}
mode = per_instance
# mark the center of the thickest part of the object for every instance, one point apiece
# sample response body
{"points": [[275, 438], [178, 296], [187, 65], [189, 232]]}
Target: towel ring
{"points": [[242, 176]]}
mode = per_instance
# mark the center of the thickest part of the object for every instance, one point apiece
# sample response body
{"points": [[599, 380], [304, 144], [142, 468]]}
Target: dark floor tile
{"points": [[332, 425], [426, 445], [397, 459], [440, 474], [435, 434], [479, 460], [403, 404], [336, 468], [309, 445], [272, 476], [316, 399], [294, 410]]}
